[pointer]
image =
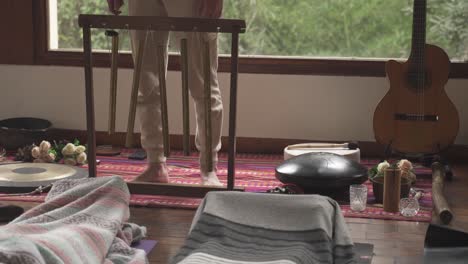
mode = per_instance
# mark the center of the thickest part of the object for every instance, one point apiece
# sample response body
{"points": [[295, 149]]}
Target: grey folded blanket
{"points": [[235, 228]]}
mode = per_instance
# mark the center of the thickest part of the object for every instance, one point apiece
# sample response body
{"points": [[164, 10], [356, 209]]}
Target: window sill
{"points": [[255, 65]]}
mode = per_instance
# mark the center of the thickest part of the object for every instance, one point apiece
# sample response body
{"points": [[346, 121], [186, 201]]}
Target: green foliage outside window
{"points": [[313, 28]]}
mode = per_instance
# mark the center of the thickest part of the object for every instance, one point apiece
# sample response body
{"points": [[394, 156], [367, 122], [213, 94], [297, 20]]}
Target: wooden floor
{"points": [[394, 241]]}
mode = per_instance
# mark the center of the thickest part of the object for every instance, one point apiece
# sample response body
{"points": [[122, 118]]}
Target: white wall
{"points": [[269, 106]]}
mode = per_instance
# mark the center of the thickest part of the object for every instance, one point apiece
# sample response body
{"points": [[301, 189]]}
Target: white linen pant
{"points": [[149, 102]]}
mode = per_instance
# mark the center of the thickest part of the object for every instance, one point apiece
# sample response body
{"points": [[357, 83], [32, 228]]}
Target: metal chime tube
{"points": [[134, 95], [163, 96], [207, 108], [113, 79], [185, 97]]}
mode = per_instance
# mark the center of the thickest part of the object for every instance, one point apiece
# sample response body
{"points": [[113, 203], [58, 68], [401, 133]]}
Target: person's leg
{"points": [[149, 103], [195, 42], [196, 77]]}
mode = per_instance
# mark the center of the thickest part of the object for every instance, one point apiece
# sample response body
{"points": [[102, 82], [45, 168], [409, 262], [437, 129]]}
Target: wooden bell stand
{"points": [[234, 27]]}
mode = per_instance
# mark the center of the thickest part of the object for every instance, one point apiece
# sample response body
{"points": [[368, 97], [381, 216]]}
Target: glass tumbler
{"points": [[358, 197], [409, 207]]}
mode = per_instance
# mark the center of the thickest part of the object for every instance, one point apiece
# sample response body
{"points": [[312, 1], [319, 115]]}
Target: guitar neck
{"points": [[419, 34]]}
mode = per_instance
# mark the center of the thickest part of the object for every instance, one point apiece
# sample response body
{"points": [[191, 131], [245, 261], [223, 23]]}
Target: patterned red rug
{"points": [[254, 172]]}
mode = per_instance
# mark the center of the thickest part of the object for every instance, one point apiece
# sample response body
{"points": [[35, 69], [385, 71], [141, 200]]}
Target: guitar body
{"points": [[415, 121]]}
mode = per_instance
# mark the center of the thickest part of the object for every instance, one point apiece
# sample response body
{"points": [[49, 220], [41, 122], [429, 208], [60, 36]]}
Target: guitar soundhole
{"points": [[417, 82]]}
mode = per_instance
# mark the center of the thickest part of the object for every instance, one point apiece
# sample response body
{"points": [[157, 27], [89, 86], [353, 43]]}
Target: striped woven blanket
{"points": [[235, 228], [81, 221]]}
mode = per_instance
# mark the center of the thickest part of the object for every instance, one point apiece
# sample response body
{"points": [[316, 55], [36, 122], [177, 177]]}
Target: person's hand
{"points": [[209, 8], [114, 6]]}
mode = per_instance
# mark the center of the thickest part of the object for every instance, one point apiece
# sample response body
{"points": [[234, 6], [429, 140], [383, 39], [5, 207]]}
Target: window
{"points": [[307, 37], [64, 32], [304, 28], [356, 28]]}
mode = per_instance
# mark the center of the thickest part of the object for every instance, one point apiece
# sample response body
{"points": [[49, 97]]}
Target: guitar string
{"points": [[417, 61], [419, 35], [420, 62], [415, 67], [420, 72], [422, 50], [418, 40]]}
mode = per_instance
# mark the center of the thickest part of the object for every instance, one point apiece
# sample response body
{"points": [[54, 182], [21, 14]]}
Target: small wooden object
{"points": [[108, 150], [441, 206], [392, 183]]}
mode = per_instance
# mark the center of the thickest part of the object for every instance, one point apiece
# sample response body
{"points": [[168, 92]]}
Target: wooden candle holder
{"points": [[392, 183]]}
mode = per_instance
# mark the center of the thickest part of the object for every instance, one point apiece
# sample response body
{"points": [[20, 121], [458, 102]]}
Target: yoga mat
{"points": [[364, 253], [254, 172], [146, 245]]}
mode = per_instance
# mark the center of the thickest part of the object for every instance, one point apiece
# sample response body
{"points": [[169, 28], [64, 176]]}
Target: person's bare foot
{"points": [[155, 172], [210, 178]]}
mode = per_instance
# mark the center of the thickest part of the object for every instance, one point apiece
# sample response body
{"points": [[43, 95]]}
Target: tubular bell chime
{"points": [[163, 96], [134, 95], [148, 23], [207, 106], [113, 79]]}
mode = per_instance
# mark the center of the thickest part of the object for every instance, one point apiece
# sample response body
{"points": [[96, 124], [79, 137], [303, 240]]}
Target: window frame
{"points": [[247, 64]]}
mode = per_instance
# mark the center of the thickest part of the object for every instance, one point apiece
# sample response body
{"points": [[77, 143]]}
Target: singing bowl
{"points": [[22, 131], [22, 177]]}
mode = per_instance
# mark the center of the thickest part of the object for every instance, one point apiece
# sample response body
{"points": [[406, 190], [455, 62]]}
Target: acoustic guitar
{"points": [[416, 116]]}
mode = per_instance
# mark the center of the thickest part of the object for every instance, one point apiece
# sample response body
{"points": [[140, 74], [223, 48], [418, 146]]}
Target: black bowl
{"points": [[322, 173], [22, 131]]}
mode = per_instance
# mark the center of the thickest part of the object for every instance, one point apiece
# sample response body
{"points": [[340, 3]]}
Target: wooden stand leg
{"points": [[185, 96], [233, 110], [88, 63]]}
